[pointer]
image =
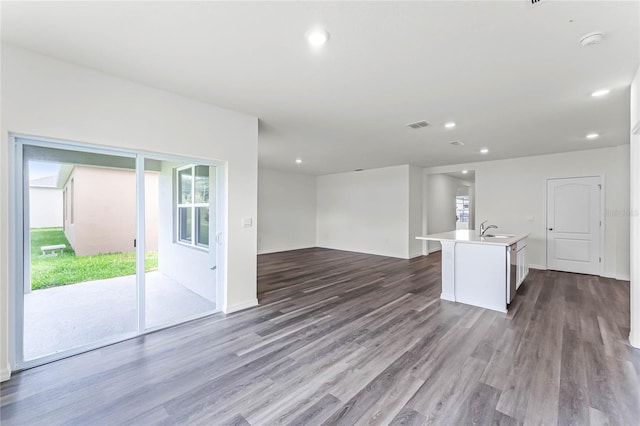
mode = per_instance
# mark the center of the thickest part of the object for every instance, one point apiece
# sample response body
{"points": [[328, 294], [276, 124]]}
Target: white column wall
{"points": [[366, 211], [415, 210], [286, 211], [634, 210], [50, 98]]}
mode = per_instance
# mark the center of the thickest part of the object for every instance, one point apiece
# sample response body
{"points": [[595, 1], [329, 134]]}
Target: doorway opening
{"points": [[105, 253], [462, 210], [450, 203]]}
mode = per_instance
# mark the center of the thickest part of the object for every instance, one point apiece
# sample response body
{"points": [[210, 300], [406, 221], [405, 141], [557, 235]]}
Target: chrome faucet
{"points": [[484, 229]]}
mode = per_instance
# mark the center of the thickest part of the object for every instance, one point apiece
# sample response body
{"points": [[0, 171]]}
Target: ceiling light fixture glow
{"points": [[592, 136], [317, 37], [450, 125], [601, 92], [484, 151], [464, 172], [298, 160]]}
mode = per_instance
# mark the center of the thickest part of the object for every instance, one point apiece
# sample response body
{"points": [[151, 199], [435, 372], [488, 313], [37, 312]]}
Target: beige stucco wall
{"points": [[104, 210], [45, 207]]}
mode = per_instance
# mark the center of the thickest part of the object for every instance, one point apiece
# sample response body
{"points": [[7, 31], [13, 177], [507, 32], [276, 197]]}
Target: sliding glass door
{"points": [[112, 244]]}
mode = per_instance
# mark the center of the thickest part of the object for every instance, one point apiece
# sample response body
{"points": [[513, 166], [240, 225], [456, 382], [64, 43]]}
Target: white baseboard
{"points": [[449, 297], [633, 342], [5, 373], [228, 309], [435, 249], [614, 276], [619, 277], [281, 250]]}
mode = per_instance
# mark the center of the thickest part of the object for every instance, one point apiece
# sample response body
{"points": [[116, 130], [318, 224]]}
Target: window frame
{"points": [[460, 200], [192, 205]]}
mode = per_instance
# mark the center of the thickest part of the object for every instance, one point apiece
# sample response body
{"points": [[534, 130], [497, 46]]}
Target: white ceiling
{"points": [[511, 74], [470, 176]]}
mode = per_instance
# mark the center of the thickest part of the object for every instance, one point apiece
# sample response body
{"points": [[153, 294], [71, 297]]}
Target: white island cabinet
{"points": [[481, 271]]}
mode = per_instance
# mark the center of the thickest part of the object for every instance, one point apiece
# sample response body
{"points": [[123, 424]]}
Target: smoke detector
{"points": [[418, 124], [456, 143], [591, 39]]}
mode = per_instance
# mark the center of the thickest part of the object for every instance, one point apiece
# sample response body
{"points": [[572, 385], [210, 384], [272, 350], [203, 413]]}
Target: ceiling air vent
{"points": [[456, 143], [418, 124], [535, 1]]}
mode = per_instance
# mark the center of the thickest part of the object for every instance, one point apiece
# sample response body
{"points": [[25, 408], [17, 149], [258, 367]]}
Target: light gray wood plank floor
{"points": [[347, 338]]}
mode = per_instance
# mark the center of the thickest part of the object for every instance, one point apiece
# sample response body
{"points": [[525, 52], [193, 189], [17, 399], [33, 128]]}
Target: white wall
{"points": [[45, 207], [509, 192], [46, 97], [366, 212], [189, 266], [415, 211], [634, 336], [441, 205], [286, 211]]}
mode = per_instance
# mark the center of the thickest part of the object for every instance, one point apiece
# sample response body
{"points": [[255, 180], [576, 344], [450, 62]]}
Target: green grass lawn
{"points": [[67, 268]]}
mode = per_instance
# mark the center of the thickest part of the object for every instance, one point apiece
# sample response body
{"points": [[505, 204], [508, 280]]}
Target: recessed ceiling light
{"points": [[591, 39], [298, 160], [450, 125], [592, 136], [317, 37], [600, 92], [464, 172], [484, 151]]}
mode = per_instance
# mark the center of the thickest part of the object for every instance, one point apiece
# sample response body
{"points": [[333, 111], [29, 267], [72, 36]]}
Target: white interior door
{"points": [[573, 224]]}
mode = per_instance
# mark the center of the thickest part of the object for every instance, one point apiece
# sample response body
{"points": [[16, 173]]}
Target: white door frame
{"points": [[18, 234], [602, 218]]}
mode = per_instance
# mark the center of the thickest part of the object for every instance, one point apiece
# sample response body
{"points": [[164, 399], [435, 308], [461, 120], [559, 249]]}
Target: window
{"points": [[64, 208], [192, 205], [72, 202], [462, 208]]}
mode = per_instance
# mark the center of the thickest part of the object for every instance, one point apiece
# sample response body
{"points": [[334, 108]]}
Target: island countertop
{"points": [[467, 236]]}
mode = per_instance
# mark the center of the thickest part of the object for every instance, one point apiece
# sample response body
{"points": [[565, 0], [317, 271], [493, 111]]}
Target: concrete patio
{"points": [[61, 318]]}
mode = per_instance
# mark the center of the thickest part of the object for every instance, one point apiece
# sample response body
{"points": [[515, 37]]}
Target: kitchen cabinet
{"points": [[481, 271], [523, 264]]}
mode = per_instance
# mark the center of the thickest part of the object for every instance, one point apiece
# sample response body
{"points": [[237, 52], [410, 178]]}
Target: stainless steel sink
{"points": [[499, 236]]}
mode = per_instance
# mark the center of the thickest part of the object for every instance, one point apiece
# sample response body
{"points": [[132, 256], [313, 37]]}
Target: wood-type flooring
{"points": [[344, 338]]}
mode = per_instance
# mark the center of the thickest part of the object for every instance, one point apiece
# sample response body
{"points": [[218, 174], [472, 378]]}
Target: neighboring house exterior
{"points": [[45, 203], [99, 210]]}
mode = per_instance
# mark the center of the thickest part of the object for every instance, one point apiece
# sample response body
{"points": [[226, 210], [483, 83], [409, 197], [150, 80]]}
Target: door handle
{"points": [[550, 229]]}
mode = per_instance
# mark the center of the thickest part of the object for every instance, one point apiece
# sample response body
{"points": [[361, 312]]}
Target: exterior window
{"points": [[462, 208], [192, 205], [73, 204], [64, 208]]}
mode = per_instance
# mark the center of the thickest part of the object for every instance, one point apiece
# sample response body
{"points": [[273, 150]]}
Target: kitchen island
{"points": [[483, 271]]}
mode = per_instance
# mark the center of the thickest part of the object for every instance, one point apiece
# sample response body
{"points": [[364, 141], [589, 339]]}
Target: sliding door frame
{"points": [[19, 253]]}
